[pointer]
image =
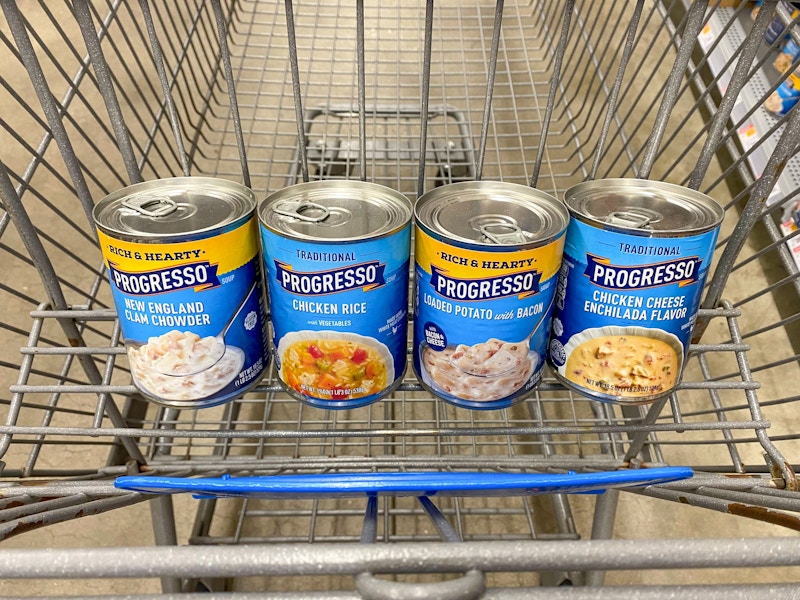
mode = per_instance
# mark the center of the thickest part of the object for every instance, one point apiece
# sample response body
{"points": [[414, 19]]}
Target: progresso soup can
{"points": [[487, 256], [636, 257], [337, 263], [182, 256]]}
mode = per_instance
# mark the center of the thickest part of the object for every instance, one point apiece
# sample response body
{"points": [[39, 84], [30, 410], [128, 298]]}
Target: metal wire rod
{"points": [[49, 106], [694, 24], [60, 279], [647, 76], [298, 103], [67, 513], [362, 92], [487, 103], [569, 6], [793, 277], [612, 100], [725, 505], [425, 97], [785, 147], [103, 74], [131, 432], [295, 559], [128, 55], [739, 78], [185, 65], [166, 88], [74, 92], [24, 185], [776, 245], [733, 451], [225, 56]]}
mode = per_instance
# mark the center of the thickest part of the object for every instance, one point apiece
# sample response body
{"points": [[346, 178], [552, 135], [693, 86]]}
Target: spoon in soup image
{"points": [[494, 357], [182, 353]]}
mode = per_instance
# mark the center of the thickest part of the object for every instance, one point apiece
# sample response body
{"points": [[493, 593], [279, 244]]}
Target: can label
{"points": [[783, 99], [481, 319], [191, 313], [339, 316], [624, 310]]}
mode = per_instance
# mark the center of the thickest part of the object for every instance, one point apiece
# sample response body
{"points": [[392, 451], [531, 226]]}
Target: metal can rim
{"points": [[558, 212], [237, 190], [396, 199], [711, 207]]}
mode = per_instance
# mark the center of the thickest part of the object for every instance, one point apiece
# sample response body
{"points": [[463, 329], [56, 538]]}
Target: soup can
{"points": [[487, 256], [786, 95], [636, 257], [183, 260], [337, 262]]}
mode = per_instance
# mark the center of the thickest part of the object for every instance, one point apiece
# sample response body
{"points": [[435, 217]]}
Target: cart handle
{"points": [[470, 586]]}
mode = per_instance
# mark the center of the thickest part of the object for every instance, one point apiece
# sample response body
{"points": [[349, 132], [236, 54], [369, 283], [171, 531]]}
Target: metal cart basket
{"points": [[98, 95]]}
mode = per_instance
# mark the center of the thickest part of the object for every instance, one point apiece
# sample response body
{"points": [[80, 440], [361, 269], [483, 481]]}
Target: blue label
{"points": [[624, 309], [192, 314], [339, 316], [481, 319]]}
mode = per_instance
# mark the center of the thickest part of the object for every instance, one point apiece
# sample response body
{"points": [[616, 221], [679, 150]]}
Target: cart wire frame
{"points": [[271, 94]]}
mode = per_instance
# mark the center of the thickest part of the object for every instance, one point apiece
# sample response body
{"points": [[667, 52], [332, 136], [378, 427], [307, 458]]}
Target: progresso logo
{"points": [[200, 276], [522, 284], [683, 271], [368, 276]]}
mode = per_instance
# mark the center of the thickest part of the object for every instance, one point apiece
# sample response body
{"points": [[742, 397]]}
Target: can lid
{"points": [[490, 214], [179, 206], [335, 211], [643, 207]]}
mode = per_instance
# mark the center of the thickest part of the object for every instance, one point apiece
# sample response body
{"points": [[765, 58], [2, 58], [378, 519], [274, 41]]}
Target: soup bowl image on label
{"points": [[636, 257], [337, 259], [183, 261], [486, 257]]}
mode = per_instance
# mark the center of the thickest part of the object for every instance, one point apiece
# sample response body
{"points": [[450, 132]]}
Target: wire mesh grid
{"points": [[728, 416]]}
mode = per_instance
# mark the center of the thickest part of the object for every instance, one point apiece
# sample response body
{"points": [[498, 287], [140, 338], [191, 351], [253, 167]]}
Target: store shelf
{"points": [[757, 130]]}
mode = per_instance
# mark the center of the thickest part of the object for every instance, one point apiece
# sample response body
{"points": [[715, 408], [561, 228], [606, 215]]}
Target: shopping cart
{"points": [[99, 95]]}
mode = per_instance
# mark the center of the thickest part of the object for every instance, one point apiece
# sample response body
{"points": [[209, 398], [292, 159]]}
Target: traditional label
{"points": [[192, 314], [481, 319], [339, 317], [624, 310]]}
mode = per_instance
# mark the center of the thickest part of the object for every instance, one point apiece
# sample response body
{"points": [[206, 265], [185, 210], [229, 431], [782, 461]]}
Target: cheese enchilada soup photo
{"points": [[636, 257]]}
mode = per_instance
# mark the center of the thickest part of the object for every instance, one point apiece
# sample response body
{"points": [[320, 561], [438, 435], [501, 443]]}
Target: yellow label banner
{"points": [[475, 264], [229, 250]]}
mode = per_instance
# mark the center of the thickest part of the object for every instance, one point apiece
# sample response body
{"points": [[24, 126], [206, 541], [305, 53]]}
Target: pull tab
{"points": [[499, 229], [630, 219], [296, 210], [503, 233], [151, 206]]}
